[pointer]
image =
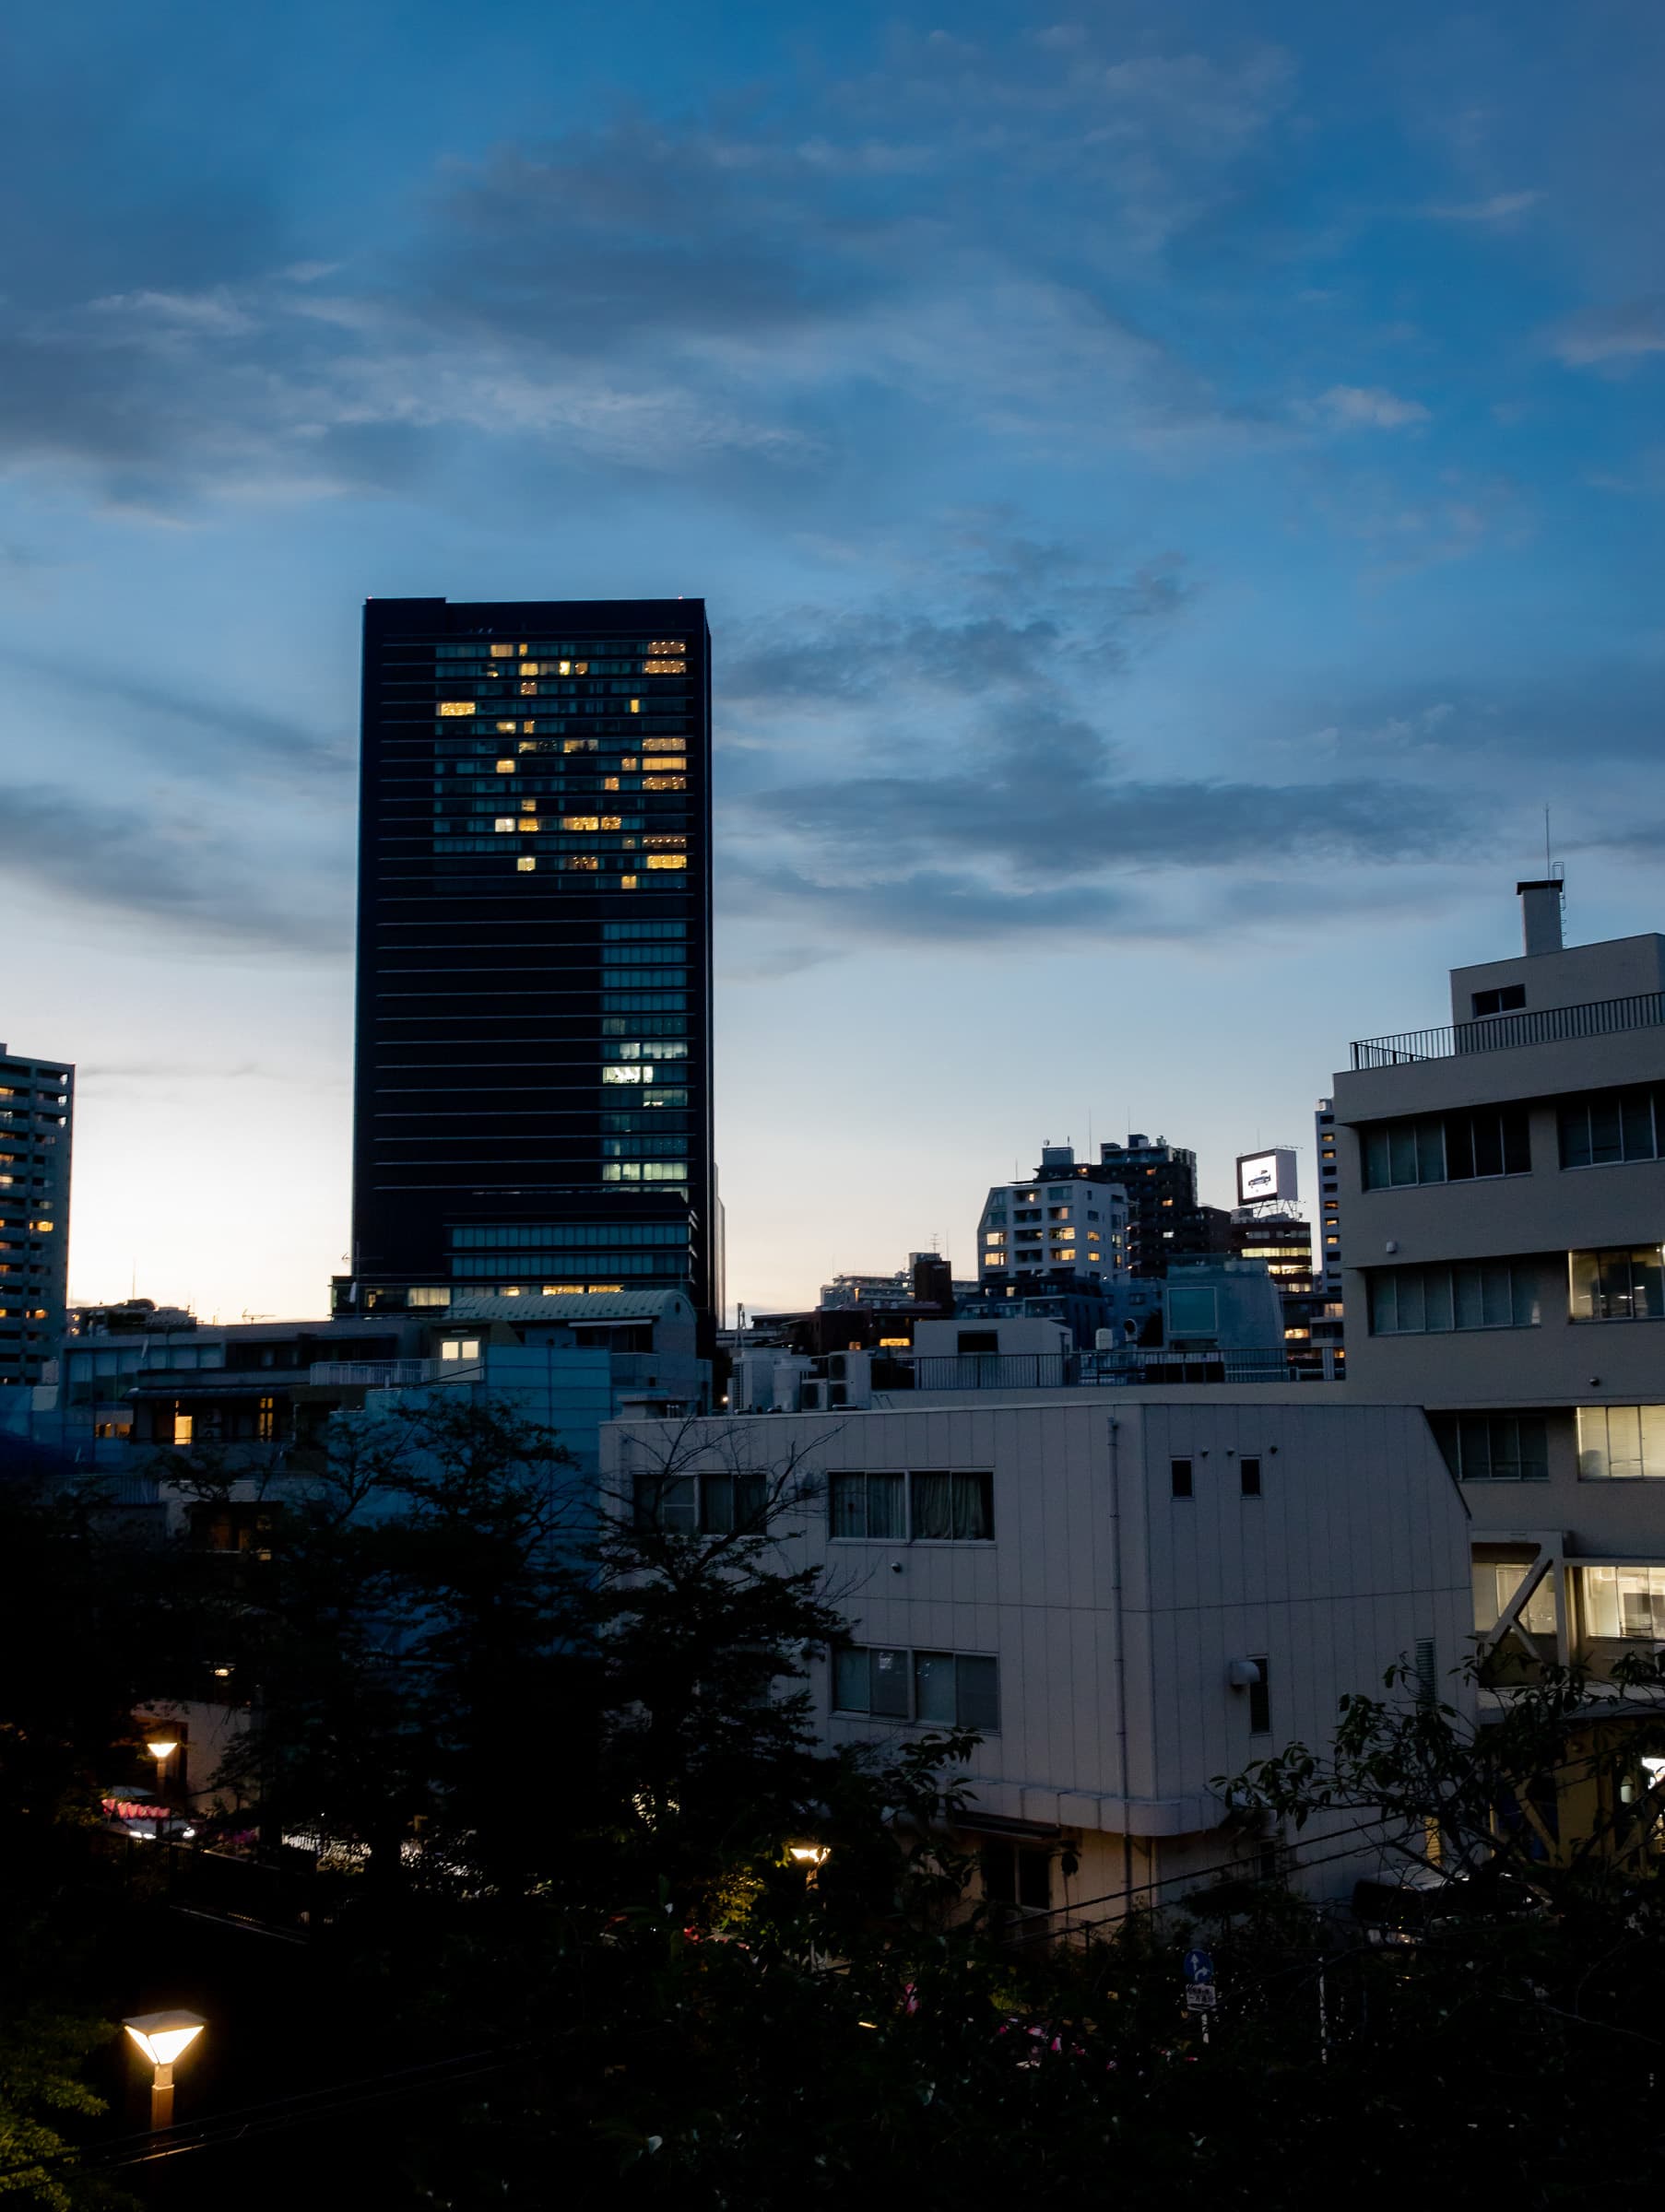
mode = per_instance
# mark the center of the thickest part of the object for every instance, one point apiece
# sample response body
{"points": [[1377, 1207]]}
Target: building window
{"points": [[1624, 1284], [1495, 1584], [946, 1689], [1479, 1294], [1179, 1478], [1248, 1473], [1017, 1876], [429, 1294], [1446, 1148], [1260, 1699], [460, 1347], [925, 1506], [1494, 1447], [1508, 998], [1610, 1127], [1622, 1444], [1625, 1601]]}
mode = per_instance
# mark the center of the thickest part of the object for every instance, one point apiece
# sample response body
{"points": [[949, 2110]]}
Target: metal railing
{"points": [[1149, 1365], [995, 1370], [379, 1374], [1499, 1032]]}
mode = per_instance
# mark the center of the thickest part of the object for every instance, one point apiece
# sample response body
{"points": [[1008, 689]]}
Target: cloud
{"points": [[1360, 406], [187, 720], [157, 867], [1500, 207], [1611, 338]]}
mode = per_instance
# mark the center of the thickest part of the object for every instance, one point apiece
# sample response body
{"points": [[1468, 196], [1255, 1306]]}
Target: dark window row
{"points": [[1446, 1148], [922, 1506], [950, 1689], [1494, 1447], [1474, 1294]]}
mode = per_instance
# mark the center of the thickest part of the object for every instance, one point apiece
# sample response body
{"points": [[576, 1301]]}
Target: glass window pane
{"points": [[1402, 1152], [1624, 1442], [1475, 1432], [1606, 1140], [1653, 1440], [933, 1506], [1636, 1124], [1410, 1283], [1497, 1309], [1649, 1279], [1034, 1880], [1574, 1136], [850, 1686], [1516, 1142], [1523, 1297], [1467, 1299], [1583, 1286], [1601, 1594], [1460, 1147], [1384, 1304], [934, 1688], [847, 1496], [751, 1500], [890, 1684], [973, 1508], [885, 1513], [1485, 1580], [1430, 1150], [1377, 1174], [1592, 1443], [978, 1694], [717, 1498], [1487, 1128]]}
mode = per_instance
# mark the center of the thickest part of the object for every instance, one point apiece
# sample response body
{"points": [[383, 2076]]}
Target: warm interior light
{"points": [[163, 1748], [807, 1854], [161, 2036]]}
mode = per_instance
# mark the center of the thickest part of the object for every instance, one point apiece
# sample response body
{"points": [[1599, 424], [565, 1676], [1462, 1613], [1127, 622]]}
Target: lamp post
{"points": [[811, 1857], [161, 1749], [162, 2036]]}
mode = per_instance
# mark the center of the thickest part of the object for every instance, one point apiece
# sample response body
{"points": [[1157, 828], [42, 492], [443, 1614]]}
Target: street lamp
{"points": [[162, 2036], [161, 1749], [811, 1857]]}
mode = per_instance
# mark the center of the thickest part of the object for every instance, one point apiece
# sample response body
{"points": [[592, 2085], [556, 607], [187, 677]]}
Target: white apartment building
{"points": [[1326, 1258], [1503, 1181], [1053, 1224], [1128, 1592]]}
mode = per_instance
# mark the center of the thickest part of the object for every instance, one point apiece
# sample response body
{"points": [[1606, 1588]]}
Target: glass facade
{"points": [[533, 1092]]}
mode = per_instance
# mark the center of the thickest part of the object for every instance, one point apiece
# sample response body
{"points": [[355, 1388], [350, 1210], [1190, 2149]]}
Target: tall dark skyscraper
{"points": [[37, 1110], [533, 1094]]}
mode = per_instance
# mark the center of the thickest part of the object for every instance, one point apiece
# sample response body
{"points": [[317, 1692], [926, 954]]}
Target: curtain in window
{"points": [[933, 1506]]}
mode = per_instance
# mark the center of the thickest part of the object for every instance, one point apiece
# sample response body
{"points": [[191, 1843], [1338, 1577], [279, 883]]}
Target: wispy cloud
{"points": [[1498, 207], [1612, 336], [1370, 407]]}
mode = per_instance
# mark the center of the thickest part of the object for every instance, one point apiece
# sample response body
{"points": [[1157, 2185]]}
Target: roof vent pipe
{"points": [[1541, 916]]}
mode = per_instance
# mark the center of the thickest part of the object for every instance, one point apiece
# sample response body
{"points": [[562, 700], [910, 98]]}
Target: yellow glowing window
{"points": [[528, 728], [581, 667], [182, 1425], [581, 821], [563, 667], [609, 783], [531, 668], [526, 748], [525, 864], [583, 860], [611, 821], [39, 1225], [456, 706], [626, 883], [666, 645], [503, 653], [579, 745], [562, 1290], [665, 783], [892, 1343], [506, 768], [666, 744], [529, 805], [668, 844], [505, 729], [668, 860], [603, 1290], [629, 760], [635, 706], [528, 690], [506, 821], [665, 667]]}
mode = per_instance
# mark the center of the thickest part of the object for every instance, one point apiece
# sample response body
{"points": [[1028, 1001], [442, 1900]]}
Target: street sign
{"points": [[1199, 1965], [1201, 1996]]}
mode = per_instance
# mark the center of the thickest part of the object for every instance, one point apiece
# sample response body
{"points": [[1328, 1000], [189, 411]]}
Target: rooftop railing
{"points": [[379, 1374], [1500, 1032], [1127, 1368]]}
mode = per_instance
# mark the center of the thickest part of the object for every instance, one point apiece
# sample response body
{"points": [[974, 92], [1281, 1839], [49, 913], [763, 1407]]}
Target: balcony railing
{"points": [[1499, 1032], [1128, 1368], [379, 1374]]}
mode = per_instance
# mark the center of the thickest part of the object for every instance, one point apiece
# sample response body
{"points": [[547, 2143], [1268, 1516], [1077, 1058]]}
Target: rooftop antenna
{"points": [[1548, 868]]}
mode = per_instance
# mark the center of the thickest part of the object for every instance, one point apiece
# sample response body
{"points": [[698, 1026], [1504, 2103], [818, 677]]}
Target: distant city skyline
{"points": [[1176, 498]]}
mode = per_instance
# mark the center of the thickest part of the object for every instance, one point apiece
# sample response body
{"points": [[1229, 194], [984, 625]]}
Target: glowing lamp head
{"points": [[164, 1747], [807, 1854], [161, 2036]]}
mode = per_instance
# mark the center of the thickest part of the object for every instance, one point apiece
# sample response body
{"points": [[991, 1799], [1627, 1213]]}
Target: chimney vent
{"points": [[1540, 915]]}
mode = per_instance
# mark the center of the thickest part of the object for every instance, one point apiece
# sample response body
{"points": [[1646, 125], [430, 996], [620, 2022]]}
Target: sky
{"points": [[1178, 488]]}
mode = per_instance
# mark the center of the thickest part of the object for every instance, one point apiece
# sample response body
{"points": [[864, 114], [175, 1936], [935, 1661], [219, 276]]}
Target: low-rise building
{"points": [[1127, 1595]]}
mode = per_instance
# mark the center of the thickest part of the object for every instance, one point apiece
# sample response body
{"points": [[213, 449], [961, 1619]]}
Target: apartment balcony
{"points": [[380, 1375], [1503, 1032], [1132, 1368]]}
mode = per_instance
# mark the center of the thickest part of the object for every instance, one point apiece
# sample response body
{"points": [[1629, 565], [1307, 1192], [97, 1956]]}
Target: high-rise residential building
{"points": [[1503, 1179], [1165, 1221], [532, 1093], [37, 1118], [1060, 1226], [1327, 1267]]}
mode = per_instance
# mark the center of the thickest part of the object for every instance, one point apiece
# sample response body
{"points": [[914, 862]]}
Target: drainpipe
{"points": [[1121, 1663]]}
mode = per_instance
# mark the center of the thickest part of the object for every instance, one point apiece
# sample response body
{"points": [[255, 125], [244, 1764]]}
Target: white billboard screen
{"points": [[1262, 1175]]}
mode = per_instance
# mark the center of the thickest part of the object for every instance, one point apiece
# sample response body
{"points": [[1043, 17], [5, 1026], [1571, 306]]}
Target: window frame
{"points": [[981, 1507], [970, 1690]]}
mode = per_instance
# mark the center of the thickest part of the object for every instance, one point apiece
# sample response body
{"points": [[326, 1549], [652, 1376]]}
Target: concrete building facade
{"points": [[1503, 1178], [37, 1124], [1128, 1593]]}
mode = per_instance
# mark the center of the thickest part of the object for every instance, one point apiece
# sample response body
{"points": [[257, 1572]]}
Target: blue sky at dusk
{"points": [[1177, 490]]}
